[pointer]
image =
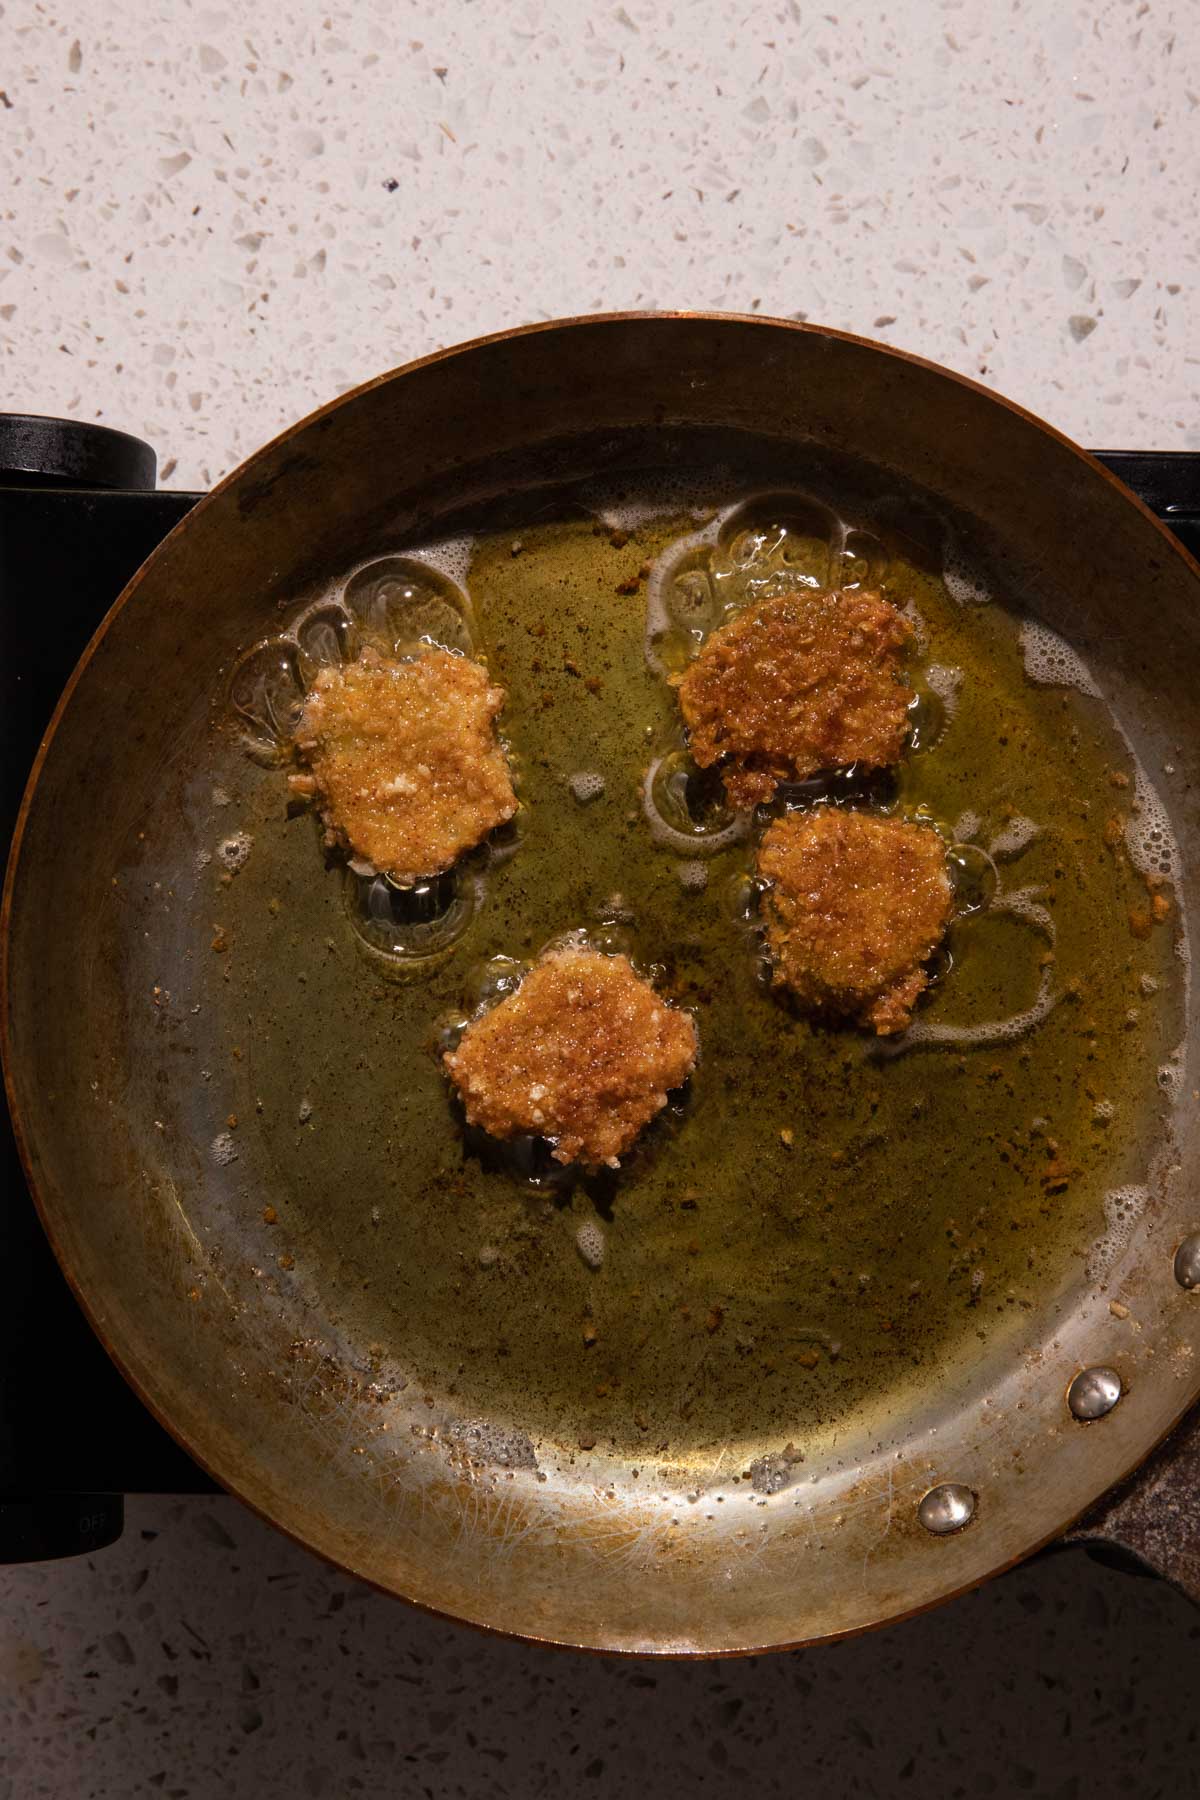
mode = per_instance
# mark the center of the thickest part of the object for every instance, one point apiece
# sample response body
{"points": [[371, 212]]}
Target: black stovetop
{"points": [[73, 1437]]}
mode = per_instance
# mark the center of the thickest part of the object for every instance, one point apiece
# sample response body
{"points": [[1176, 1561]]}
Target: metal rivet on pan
{"points": [[946, 1508], [1094, 1392], [1187, 1262]]}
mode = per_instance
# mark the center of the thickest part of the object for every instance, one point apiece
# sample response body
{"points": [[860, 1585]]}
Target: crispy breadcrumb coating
{"points": [[403, 760], [583, 1053], [799, 683], [855, 907]]}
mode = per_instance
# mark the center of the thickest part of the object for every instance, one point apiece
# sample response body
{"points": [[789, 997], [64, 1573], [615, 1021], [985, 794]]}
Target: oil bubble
{"points": [[403, 605], [984, 1034], [920, 632], [448, 1032], [1051, 662], [1170, 1075], [1149, 838], [610, 935], [686, 808], [234, 851], [484, 1441], [1013, 838], [1024, 903], [740, 897], [674, 622], [589, 1241], [926, 721], [223, 1150], [411, 930], [860, 562], [960, 582], [266, 693], [527, 1159], [669, 652], [852, 785], [326, 637], [691, 602], [490, 982], [945, 680], [973, 874], [451, 557], [771, 1474], [586, 786], [506, 839], [787, 537], [1123, 1207]]}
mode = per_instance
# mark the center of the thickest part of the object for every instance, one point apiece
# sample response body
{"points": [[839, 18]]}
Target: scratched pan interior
{"points": [[347, 1369]]}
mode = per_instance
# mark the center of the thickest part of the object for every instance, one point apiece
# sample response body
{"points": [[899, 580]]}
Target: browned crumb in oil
{"points": [[799, 683], [584, 1053], [403, 759], [1143, 919], [1058, 1174], [856, 905]]}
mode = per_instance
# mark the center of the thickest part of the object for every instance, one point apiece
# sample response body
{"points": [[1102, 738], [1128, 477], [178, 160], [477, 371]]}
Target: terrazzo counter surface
{"points": [[217, 220], [206, 1656], [214, 219]]}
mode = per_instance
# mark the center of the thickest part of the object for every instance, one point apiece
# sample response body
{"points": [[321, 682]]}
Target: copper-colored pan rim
{"points": [[1170, 543]]}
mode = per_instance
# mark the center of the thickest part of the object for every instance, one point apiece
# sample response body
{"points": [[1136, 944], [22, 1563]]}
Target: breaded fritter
{"points": [[795, 684], [856, 906], [403, 759], [584, 1053]]}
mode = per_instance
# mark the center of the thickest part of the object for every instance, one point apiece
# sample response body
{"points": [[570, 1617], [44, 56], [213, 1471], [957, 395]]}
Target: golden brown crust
{"points": [[799, 683], [404, 761], [856, 906], [583, 1053]]}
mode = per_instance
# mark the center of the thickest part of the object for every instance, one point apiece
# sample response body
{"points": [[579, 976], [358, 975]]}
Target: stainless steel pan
{"points": [[127, 1036]]}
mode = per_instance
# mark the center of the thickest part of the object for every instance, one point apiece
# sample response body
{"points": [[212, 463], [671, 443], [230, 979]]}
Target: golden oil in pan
{"points": [[828, 1223]]}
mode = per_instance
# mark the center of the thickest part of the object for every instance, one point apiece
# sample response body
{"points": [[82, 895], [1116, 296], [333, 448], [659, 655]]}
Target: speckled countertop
{"points": [[213, 219]]}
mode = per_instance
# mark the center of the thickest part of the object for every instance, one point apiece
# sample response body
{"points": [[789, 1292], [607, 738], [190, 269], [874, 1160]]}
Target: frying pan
{"points": [[127, 1035]]}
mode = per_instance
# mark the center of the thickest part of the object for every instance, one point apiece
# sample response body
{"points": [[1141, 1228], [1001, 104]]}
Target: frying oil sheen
{"points": [[828, 1221]]}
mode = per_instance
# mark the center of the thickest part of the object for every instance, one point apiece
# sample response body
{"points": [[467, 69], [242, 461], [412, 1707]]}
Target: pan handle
{"points": [[72, 453], [1151, 1521]]}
